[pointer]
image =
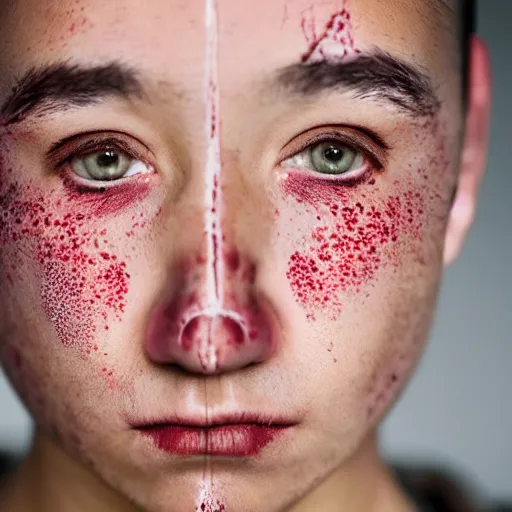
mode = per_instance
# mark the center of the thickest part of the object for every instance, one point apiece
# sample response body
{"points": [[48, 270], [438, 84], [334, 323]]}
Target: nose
{"points": [[209, 343], [185, 331], [214, 321]]}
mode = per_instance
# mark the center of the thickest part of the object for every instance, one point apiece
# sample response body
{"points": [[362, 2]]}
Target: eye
{"points": [[107, 165], [343, 152], [328, 157]]}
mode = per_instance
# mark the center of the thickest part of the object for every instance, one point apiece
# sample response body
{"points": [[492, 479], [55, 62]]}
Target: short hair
{"points": [[467, 27]]}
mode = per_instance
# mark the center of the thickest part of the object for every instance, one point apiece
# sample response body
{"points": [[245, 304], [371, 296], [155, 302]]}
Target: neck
{"points": [[49, 480], [364, 484]]}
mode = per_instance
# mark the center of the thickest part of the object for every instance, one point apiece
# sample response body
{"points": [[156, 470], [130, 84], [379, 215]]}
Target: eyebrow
{"points": [[62, 85], [378, 75]]}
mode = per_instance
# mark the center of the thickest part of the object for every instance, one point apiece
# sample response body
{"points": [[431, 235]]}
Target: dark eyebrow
{"points": [[53, 87], [378, 75]]}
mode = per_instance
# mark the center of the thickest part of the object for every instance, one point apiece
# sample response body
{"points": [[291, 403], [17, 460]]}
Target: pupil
{"points": [[333, 154], [107, 158]]}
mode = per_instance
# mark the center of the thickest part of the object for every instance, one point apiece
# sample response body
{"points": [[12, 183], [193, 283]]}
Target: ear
{"points": [[474, 151]]}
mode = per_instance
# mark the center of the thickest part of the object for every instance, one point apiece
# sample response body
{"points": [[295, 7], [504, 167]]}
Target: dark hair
{"points": [[467, 13]]}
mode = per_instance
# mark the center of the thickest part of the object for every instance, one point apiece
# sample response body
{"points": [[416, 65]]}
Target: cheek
{"points": [[82, 281], [63, 414], [58, 248], [28, 387], [357, 231], [386, 382]]}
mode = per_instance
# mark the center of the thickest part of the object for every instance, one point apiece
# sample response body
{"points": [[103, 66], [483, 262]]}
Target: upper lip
{"points": [[216, 421]]}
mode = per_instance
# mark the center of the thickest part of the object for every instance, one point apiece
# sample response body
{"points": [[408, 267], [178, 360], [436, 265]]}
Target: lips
{"points": [[229, 437]]}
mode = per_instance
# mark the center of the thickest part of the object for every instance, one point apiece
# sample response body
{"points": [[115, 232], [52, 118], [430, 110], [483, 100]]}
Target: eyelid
{"points": [[75, 181], [369, 144], [85, 144]]}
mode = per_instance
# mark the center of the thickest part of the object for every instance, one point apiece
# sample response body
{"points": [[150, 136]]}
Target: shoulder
{"points": [[435, 490]]}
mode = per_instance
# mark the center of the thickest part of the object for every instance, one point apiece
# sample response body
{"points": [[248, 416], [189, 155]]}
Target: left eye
{"points": [[327, 157], [107, 165]]}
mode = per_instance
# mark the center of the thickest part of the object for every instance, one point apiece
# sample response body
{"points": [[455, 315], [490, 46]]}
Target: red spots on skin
{"points": [[138, 223], [386, 382], [361, 229], [212, 505], [235, 264], [78, 21], [109, 201], [330, 350], [209, 502], [335, 42], [213, 106], [354, 240], [215, 220], [112, 382], [82, 280], [232, 259], [74, 23]]}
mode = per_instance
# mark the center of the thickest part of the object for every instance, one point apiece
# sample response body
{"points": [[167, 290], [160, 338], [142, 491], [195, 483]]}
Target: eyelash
{"points": [[354, 141], [62, 158], [350, 137]]}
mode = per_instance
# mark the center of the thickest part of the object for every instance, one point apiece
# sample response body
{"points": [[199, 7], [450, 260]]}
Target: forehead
{"points": [[168, 39]]}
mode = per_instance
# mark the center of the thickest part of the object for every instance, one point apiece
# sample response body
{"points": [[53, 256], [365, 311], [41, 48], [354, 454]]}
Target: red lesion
{"points": [[334, 42], [361, 228], [387, 381], [354, 238], [81, 279]]}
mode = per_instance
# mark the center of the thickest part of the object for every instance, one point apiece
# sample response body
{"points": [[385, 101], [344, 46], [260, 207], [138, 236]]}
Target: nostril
{"points": [[189, 334], [233, 331]]}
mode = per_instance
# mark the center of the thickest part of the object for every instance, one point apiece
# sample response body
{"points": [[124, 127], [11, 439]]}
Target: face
{"points": [[247, 233]]}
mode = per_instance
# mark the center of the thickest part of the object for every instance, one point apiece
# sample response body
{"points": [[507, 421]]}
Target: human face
{"points": [[270, 254]]}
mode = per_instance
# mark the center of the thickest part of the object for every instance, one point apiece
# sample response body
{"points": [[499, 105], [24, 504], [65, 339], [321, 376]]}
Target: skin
{"points": [[85, 367]]}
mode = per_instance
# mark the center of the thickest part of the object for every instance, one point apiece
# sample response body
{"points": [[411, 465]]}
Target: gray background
{"points": [[457, 410]]}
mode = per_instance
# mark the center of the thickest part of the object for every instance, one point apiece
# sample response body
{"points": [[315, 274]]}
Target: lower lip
{"points": [[227, 440]]}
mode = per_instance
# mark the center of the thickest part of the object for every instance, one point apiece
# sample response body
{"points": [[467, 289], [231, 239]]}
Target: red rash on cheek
{"points": [[108, 201], [83, 282], [353, 240]]}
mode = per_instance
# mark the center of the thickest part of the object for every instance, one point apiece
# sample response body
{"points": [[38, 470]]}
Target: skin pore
{"points": [[229, 274]]}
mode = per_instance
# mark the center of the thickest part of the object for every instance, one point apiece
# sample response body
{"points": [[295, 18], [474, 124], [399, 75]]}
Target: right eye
{"points": [[328, 157], [337, 152], [107, 165]]}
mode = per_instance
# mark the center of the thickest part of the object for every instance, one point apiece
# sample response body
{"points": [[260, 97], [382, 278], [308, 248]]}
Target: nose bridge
{"points": [[213, 321]]}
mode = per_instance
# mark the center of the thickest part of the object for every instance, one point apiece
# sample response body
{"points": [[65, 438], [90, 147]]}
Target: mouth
{"points": [[231, 436]]}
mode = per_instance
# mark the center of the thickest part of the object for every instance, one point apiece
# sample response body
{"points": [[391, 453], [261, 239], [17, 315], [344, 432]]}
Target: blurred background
{"points": [[458, 408], [457, 412]]}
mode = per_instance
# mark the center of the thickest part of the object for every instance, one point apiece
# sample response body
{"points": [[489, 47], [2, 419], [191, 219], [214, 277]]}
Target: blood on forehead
{"points": [[335, 41]]}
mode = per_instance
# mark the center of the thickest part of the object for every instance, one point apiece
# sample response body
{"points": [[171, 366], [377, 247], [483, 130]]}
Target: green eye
{"points": [[104, 165], [332, 158]]}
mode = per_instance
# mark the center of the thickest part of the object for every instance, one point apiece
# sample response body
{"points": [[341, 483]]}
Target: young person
{"points": [[222, 231]]}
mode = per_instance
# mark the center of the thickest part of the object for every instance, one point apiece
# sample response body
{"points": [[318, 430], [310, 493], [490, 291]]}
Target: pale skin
{"points": [[85, 364]]}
